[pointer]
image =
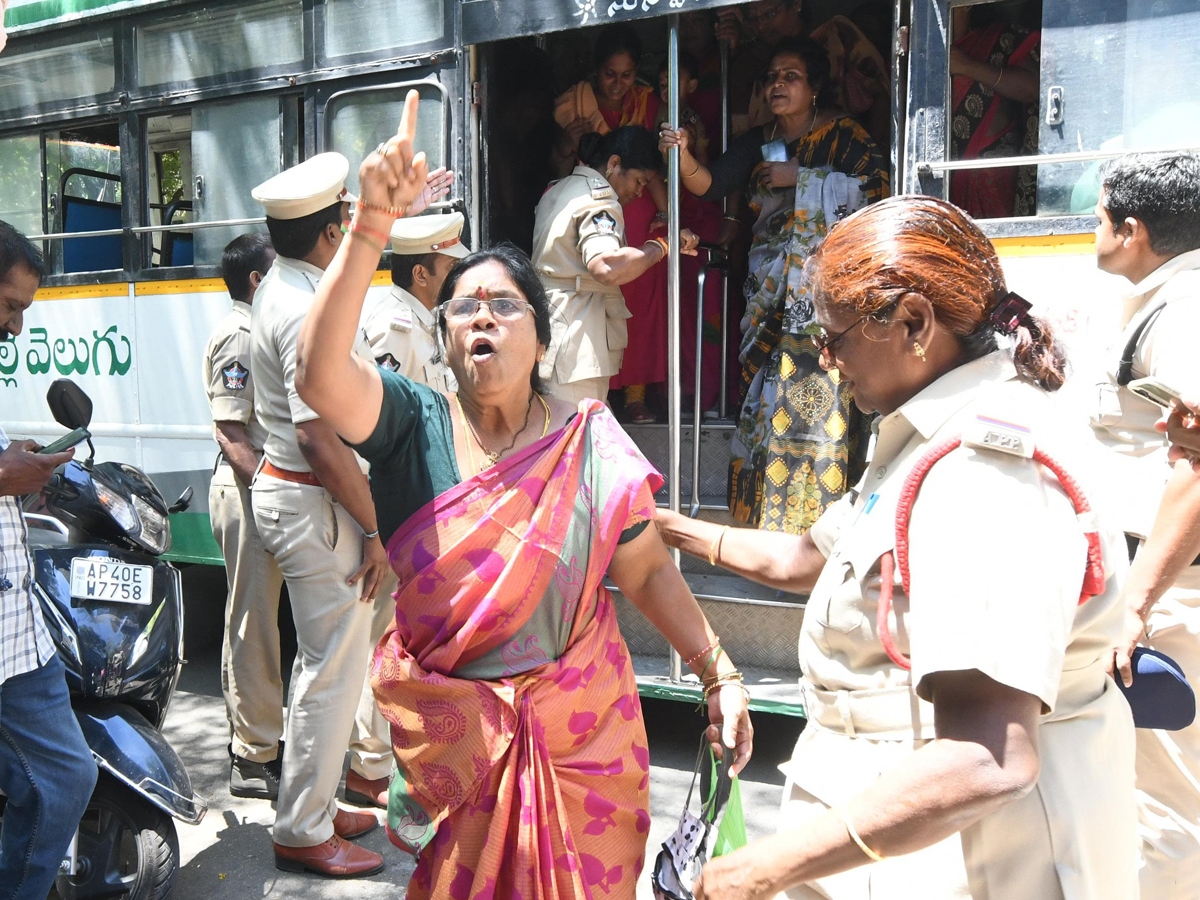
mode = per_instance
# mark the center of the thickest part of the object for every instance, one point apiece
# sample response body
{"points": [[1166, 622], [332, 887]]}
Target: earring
{"points": [[919, 350]]}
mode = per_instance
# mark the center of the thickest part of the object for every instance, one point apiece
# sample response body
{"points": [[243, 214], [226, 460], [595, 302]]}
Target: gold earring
{"points": [[919, 350]]}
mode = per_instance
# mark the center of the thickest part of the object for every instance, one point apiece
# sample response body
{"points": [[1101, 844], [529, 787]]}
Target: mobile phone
{"points": [[67, 441], [1155, 391], [775, 151]]}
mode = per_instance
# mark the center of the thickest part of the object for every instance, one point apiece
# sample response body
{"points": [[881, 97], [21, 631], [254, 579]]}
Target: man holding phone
{"points": [[1149, 233], [46, 768]]}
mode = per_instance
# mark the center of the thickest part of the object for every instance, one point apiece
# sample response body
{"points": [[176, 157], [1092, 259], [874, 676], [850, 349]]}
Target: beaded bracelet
{"points": [[716, 654], [395, 212], [715, 642]]}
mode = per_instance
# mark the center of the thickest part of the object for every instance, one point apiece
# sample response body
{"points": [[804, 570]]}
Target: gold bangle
{"points": [[862, 845], [694, 171], [998, 77], [357, 233], [714, 550]]}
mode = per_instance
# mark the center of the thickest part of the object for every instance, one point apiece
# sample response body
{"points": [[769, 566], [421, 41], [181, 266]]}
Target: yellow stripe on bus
{"points": [[187, 286], [83, 291], [382, 279], [1046, 245]]}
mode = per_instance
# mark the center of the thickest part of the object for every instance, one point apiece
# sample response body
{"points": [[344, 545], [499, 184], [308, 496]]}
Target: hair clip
{"points": [[1011, 312]]}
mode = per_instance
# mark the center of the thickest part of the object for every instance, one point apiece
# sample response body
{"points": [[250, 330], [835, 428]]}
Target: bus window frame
{"points": [[435, 51]]}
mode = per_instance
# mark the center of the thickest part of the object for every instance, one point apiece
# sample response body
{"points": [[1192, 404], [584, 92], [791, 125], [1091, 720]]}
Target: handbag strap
{"points": [[713, 796]]}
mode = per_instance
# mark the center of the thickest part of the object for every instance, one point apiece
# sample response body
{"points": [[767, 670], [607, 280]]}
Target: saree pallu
{"points": [[987, 124], [532, 784], [800, 442]]}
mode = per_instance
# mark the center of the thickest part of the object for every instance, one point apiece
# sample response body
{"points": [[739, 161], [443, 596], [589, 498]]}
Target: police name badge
{"points": [[985, 433], [402, 320], [234, 377], [605, 223]]}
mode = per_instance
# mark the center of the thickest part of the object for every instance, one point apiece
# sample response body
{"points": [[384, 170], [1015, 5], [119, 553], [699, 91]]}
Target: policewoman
{"points": [[581, 257], [402, 327], [313, 508], [967, 743]]}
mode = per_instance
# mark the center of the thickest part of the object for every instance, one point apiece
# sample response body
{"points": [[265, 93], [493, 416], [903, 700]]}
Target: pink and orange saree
{"points": [[515, 720]]}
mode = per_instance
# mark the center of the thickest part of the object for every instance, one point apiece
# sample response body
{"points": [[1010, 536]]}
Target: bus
{"points": [[131, 133]]}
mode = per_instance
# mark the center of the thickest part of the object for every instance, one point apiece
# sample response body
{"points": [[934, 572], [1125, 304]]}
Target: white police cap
{"points": [[430, 234], [302, 190]]}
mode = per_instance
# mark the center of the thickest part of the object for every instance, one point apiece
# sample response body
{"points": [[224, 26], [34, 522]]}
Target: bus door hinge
{"points": [[476, 93], [902, 40]]}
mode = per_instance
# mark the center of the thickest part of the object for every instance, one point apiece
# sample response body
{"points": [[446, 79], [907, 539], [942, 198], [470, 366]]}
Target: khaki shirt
{"points": [[280, 305], [578, 219], [227, 379], [997, 559], [403, 338], [1123, 421]]}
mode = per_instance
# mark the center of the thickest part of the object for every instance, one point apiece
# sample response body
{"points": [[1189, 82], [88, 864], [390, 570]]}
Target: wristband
{"points": [[394, 211], [371, 534]]}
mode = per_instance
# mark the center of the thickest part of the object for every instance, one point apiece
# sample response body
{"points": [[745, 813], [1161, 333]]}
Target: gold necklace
{"points": [[492, 457]]}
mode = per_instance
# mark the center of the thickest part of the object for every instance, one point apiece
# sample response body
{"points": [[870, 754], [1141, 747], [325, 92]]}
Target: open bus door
{"points": [[517, 50]]}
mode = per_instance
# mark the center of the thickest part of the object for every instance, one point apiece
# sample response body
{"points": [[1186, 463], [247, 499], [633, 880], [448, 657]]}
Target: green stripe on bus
{"points": [[46, 11], [192, 540], [684, 693]]}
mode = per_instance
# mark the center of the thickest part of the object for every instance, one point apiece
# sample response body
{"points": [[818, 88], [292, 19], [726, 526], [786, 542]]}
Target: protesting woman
{"points": [[799, 441], [958, 627], [523, 763]]}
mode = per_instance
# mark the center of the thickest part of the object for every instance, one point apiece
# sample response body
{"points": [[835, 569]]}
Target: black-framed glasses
{"points": [[825, 343], [501, 307]]}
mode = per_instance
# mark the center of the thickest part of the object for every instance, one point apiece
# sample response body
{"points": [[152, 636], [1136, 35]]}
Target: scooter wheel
{"points": [[128, 849]]}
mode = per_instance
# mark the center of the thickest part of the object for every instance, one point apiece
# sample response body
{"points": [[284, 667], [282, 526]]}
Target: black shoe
{"points": [[259, 781]]}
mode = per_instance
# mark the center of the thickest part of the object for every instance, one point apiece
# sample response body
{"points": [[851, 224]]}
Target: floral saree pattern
{"points": [[492, 801], [800, 441]]}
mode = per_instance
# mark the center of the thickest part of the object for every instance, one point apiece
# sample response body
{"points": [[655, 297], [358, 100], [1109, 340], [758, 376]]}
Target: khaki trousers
{"points": [[250, 677], [585, 389], [318, 545], [1168, 762], [371, 739]]}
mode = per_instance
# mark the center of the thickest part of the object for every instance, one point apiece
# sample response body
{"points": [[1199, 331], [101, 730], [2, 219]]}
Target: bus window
{"points": [[58, 73], [355, 27], [203, 164], [21, 183], [83, 180], [218, 41], [357, 121], [1116, 75]]}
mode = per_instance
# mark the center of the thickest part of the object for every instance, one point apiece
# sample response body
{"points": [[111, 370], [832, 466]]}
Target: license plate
{"points": [[96, 578]]}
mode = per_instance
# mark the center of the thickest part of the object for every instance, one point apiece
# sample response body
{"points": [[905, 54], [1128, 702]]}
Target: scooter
{"points": [[115, 611]]}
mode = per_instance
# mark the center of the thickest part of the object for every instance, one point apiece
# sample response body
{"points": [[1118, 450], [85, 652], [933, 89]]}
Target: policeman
{"points": [[402, 329], [1149, 233], [250, 676], [580, 254], [314, 511], [402, 332]]}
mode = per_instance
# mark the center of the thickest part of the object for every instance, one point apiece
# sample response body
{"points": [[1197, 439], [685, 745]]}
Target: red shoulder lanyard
{"points": [[1093, 579]]}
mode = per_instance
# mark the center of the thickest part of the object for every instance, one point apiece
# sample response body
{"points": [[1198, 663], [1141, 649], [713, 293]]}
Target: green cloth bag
{"points": [[731, 832]]}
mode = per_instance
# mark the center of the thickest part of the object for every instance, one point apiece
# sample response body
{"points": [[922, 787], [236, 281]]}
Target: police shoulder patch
{"points": [[387, 361], [601, 189], [986, 433], [605, 223], [234, 377]]}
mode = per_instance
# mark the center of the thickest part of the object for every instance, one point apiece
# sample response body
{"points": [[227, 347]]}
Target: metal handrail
{"points": [[931, 167], [718, 265], [674, 182], [63, 235]]}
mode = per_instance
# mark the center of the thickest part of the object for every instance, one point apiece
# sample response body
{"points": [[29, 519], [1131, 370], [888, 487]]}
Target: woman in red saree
{"points": [[523, 762]]}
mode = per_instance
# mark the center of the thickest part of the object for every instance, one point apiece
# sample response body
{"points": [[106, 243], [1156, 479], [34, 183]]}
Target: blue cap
{"points": [[1160, 695]]}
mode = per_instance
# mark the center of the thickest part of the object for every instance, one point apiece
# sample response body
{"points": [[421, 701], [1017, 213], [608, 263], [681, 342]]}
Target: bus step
{"points": [[715, 442], [771, 690]]}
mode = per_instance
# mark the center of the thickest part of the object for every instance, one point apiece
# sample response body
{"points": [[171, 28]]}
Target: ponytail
{"points": [[1037, 354]]}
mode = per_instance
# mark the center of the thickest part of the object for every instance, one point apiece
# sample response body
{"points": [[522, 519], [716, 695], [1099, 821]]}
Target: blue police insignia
{"points": [[235, 377], [605, 223], [389, 362]]}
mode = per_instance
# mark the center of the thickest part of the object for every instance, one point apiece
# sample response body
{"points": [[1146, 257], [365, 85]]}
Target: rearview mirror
{"points": [[69, 405]]}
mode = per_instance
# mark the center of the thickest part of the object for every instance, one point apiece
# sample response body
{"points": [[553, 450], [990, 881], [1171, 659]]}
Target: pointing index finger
{"points": [[408, 119]]}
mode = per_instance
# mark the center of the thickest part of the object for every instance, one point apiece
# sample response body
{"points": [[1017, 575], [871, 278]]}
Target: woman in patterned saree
{"points": [[516, 724], [799, 442]]}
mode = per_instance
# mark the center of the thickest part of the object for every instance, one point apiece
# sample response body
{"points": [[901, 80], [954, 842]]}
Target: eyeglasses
{"points": [[753, 16], [501, 307], [825, 343]]}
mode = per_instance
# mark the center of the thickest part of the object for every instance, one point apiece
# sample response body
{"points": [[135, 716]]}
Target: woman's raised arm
{"points": [[343, 389]]}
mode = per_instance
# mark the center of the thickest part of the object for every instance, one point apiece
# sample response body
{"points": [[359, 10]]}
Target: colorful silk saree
{"points": [[523, 765]]}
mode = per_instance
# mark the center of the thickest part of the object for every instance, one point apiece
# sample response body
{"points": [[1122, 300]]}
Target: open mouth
{"points": [[482, 349]]}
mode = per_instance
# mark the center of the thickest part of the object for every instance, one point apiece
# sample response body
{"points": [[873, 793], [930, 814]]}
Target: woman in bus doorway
{"points": [[800, 442], [612, 100]]}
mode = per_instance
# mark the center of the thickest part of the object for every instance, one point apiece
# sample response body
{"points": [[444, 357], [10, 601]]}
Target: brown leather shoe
{"points": [[336, 858], [350, 825], [366, 792]]}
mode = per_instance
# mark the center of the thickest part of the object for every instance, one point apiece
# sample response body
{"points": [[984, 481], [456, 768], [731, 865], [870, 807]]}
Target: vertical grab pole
{"points": [[673, 394], [722, 398], [697, 413]]}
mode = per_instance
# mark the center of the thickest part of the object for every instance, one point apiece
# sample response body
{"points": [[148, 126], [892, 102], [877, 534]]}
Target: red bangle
{"points": [[357, 227], [662, 242]]}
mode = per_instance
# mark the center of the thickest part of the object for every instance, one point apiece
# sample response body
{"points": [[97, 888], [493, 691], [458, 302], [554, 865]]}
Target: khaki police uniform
{"points": [[1168, 762], [250, 677], [402, 335], [997, 560], [578, 219], [316, 543]]}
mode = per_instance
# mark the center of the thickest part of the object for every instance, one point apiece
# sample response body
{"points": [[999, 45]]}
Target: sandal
{"points": [[637, 413]]}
